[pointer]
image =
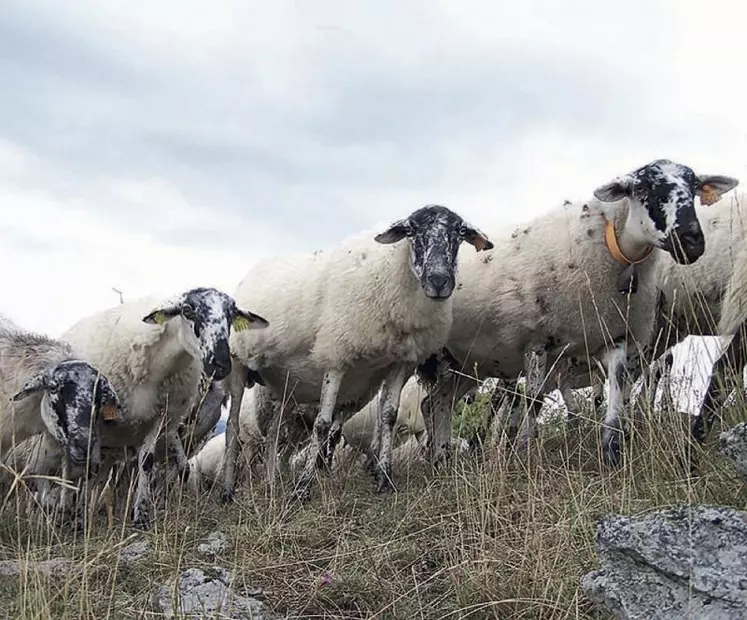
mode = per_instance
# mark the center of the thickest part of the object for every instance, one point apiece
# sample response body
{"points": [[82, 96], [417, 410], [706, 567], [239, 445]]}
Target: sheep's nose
{"points": [[222, 368], [439, 280]]}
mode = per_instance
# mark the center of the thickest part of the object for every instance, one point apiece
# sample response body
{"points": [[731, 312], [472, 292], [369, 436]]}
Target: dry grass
{"points": [[499, 537]]}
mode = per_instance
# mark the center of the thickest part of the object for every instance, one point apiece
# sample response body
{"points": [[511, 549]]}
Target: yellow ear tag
{"points": [[160, 317], [109, 413], [240, 323], [709, 195]]}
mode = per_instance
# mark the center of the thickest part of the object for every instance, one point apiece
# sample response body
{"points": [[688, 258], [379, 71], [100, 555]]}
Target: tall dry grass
{"points": [[498, 536]]}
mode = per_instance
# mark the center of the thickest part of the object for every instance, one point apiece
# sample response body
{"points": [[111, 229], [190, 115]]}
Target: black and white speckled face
{"points": [[435, 234], [207, 317], [75, 397], [662, 196]]}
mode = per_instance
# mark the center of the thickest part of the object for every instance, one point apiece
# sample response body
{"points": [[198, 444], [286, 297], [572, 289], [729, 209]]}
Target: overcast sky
{"points": [[153, 146]]}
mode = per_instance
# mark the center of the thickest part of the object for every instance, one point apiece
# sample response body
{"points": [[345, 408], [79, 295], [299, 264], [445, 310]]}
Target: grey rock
{"points": [[56, 567], [681, 563], [215, 544], [204, 594], [133, 553], [733, 444]]}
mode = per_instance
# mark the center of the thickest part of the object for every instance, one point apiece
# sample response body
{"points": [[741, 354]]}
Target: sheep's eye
{"points": [[409, 231], [188, 312]]}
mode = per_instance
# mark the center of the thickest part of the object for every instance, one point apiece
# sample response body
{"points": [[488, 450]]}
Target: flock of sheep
{"points": [[317, 347]]}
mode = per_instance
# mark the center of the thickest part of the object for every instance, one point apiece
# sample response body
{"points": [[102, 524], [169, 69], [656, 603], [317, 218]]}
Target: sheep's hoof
{"points": [[384, 482], [228, 496], [302, 492], [141, 519], [324, 462], [74, 521], [611, 444], [302, 495]]}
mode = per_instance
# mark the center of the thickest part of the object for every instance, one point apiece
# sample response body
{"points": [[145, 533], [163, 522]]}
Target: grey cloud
{"points": [[372, 125]]}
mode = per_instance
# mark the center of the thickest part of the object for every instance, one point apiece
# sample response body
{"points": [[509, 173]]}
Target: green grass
{"points": [[498, 537]]}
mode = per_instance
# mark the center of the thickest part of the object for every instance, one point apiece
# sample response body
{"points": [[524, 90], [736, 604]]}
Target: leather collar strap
{"points": [[610, 239]]}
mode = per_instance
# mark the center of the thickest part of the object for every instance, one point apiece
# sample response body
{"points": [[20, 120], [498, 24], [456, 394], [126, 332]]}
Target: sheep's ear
{"points": [[161, 315], [396, 232], [476, 237], [248, 320], [712, 186], [37, 383], [110, 403], [614, 191]]}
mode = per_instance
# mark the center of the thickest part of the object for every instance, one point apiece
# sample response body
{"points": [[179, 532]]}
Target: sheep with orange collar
{"points": [[549, 297]]}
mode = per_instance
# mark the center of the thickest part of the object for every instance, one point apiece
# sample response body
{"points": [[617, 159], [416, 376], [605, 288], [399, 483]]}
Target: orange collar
{"points": [[610, 239]]}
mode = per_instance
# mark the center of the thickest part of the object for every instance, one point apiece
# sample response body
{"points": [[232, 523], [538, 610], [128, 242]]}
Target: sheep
{"points": [[347, 321], [570, 290], [47, 390], [358, 431], [733, 359], [155, 353], [691, 297], [255, 438]]}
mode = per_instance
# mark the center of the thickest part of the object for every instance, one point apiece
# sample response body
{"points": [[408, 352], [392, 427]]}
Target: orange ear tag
{"points": [[709, 195], [110, 413]]}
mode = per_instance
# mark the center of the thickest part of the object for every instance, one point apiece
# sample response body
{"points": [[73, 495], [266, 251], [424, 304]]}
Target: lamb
{"points": [[47, 390], [553, 291], [347, 321], [155, 353]]}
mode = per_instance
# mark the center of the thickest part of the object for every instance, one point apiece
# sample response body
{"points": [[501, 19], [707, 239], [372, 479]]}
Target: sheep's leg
{"points": [[236, 387], [177, 455], [106, 497], [65, 495], [535, 363], [388, 408], [271, 441], [330, 387], [477, 441], [146, 461], [444, 390], [328, 449], [612, 433]]}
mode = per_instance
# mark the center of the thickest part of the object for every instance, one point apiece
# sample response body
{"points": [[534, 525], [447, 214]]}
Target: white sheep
{"points": [[345, 322], [47, 391], [155, 353], [732, 324], [551, 292], [359, 431], [207, 463]]}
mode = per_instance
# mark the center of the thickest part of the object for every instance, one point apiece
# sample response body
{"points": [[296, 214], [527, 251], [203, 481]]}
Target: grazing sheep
{"points": [[570, 289], [47, 390], [347, 321], [155, 353]]}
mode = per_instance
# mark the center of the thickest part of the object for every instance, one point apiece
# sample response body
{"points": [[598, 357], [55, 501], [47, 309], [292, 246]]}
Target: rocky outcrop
{"points": [[206, 594], [684, 563]]}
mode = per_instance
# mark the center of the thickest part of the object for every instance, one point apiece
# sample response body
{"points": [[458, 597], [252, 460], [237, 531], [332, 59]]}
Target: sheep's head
{"points": [[206, 318], [662, 205], [75, 399], [435, 233]]}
